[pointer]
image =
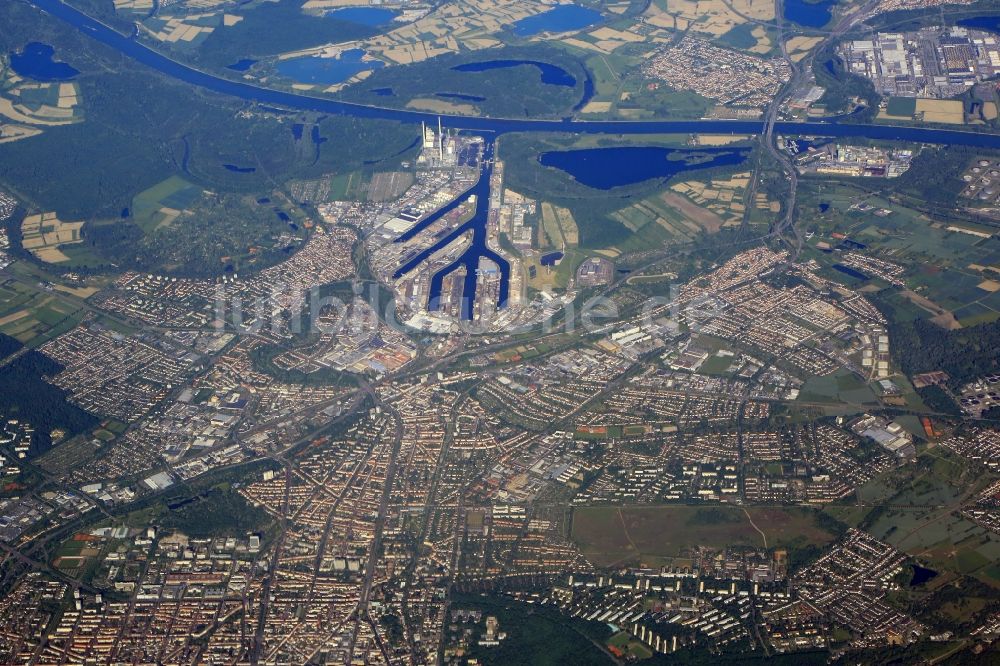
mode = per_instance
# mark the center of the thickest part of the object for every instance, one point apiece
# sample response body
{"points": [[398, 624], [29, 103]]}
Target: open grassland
{"points": [[610, 535], [838, 388], [547, 278], [441, 106], [800, 46], [917, 512], [559, 227]]}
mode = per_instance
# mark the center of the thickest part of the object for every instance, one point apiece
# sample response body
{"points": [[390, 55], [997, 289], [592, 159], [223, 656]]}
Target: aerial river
{"points": [[470, 259], [147, 56]]}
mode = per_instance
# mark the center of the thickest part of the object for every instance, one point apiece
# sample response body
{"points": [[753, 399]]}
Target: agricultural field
{"points": [[141, 7], [28, 107], [612, 49], [220, 33], [187, 30], [648, 534], [440, 106], [941, 111], [132, 137], [950, 264], [360, 185], [53, 241], [33, 316], [389, 185], [689, 209], [606, 39], [639, 101], [713, 18], [657, 219], [559, 227], [449, 28], [724, 198], [351, 186], [161, 205], [799, 47]]}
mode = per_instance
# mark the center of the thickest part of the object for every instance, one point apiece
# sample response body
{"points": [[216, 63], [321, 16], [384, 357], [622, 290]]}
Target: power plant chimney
{"points": [[440, 141]]}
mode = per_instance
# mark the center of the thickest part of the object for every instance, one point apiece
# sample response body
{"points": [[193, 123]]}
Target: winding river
{"points": [[147, 56]]}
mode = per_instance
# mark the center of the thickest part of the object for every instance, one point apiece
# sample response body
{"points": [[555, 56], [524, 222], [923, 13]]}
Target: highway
{"points": [[800, 72]]}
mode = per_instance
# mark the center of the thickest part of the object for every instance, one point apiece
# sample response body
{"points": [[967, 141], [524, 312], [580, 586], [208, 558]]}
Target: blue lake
{"points": [[847, 270], [558, 19], [606, 168], [235, 168], [922, 575], [809, 14], [370, 16], [991, 23], [551, 258], [383, 92], [242, 65], [588, 94], [312, 69], [461, 96], [35, 62], [552, 75], [315, 135]]}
